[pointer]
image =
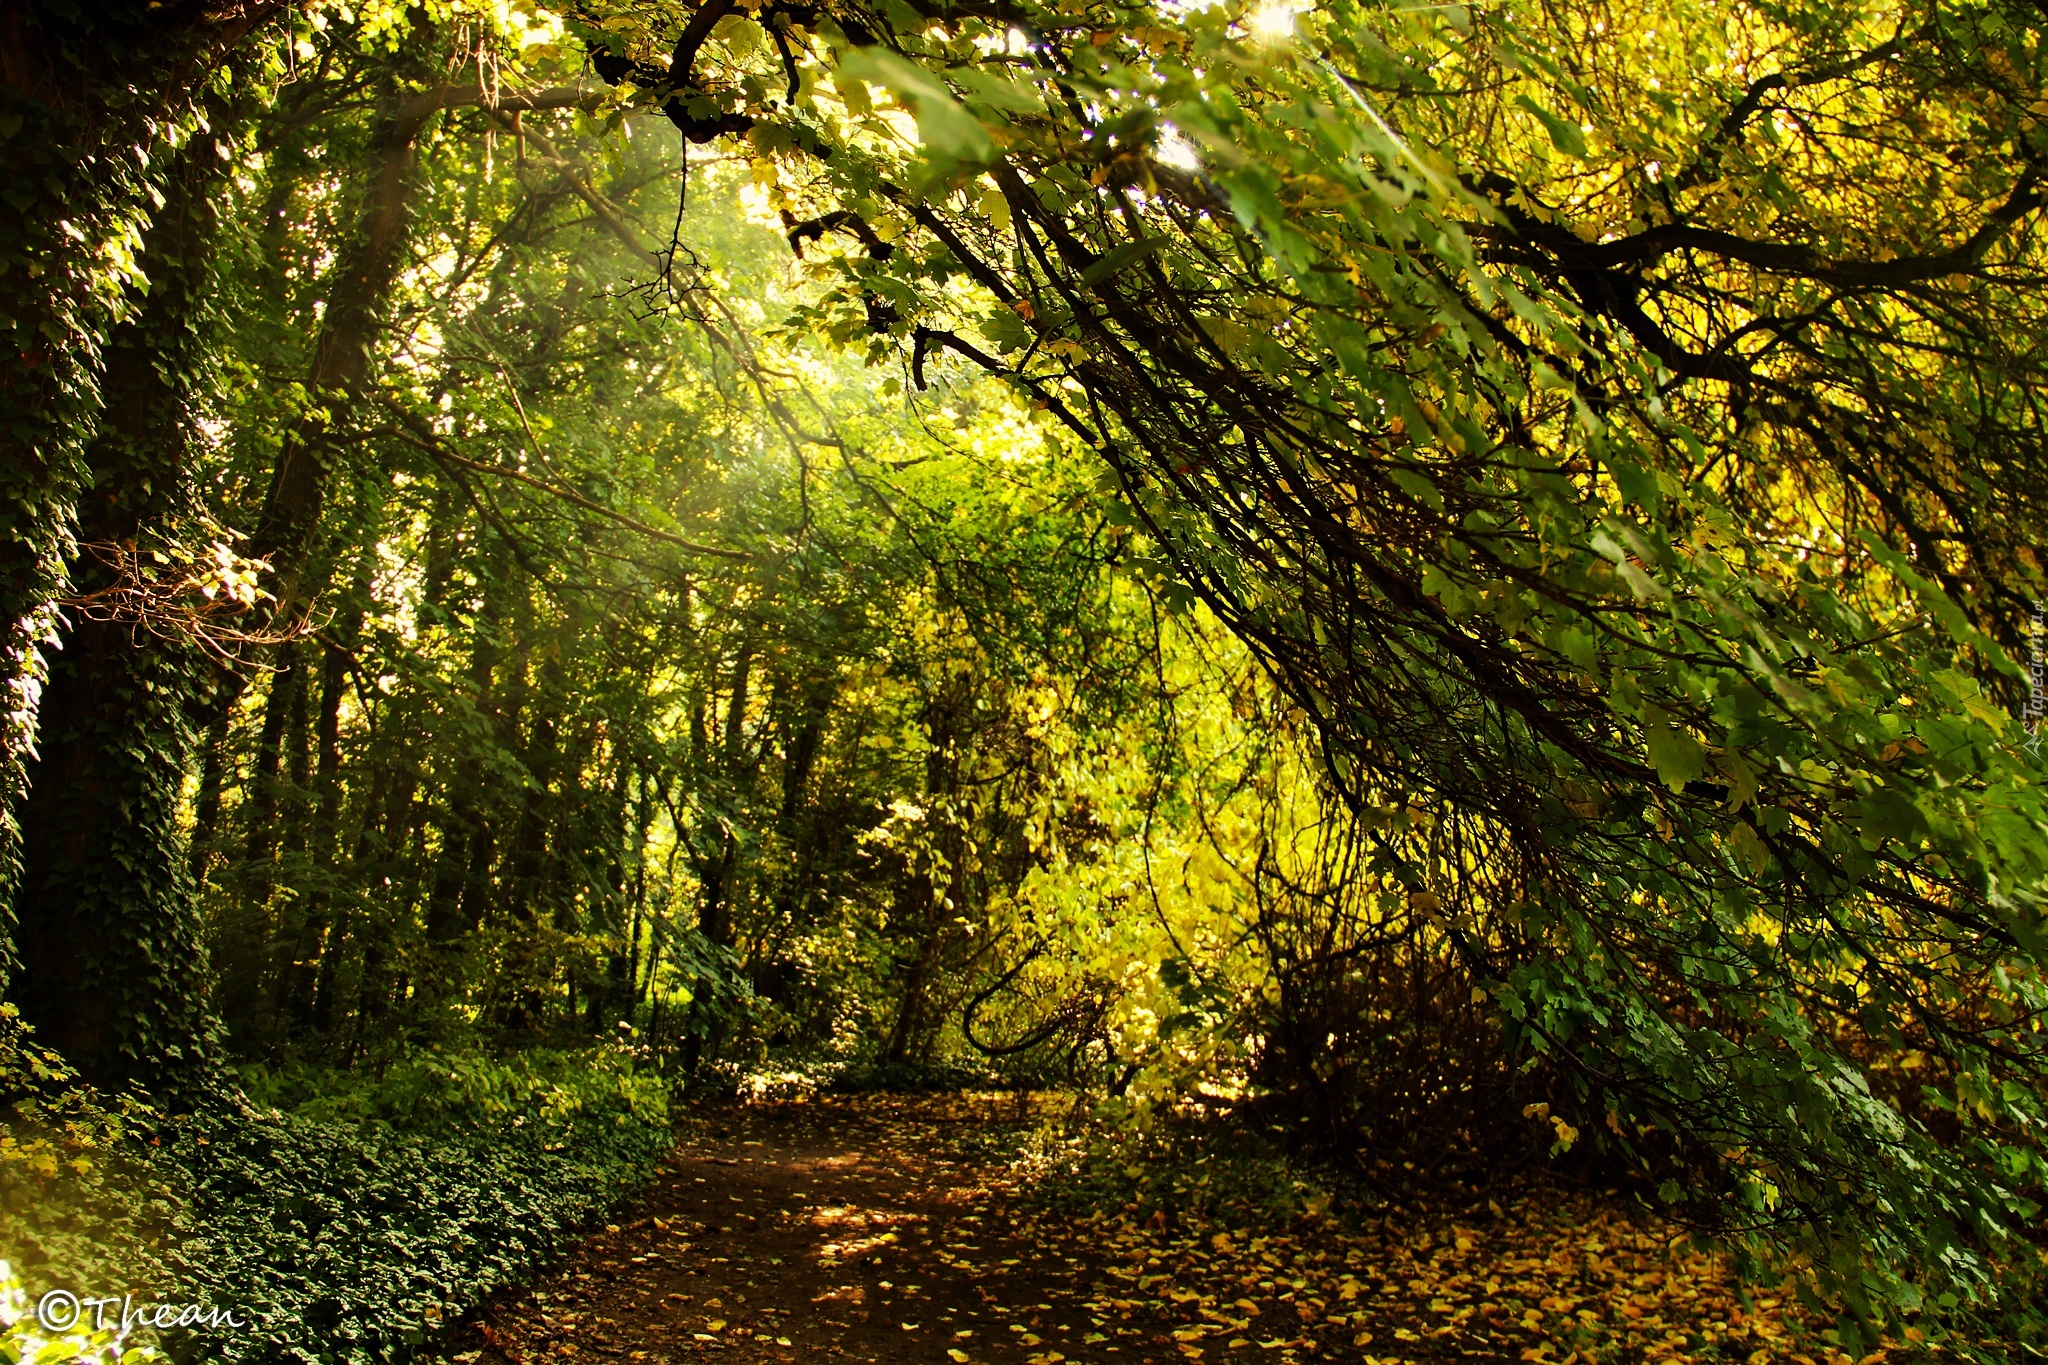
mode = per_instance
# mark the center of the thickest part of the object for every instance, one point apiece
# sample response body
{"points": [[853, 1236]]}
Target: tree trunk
{"points": [[266, 783], [349, 329], [113, 972], [462, 875], [715, 872], [611, 995], [317, 936], [213, 779], [799, 831], [94, 95]]}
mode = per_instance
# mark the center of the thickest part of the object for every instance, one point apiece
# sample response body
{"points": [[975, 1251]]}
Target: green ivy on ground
{"points": [[349, 1226], [357, 1245]]}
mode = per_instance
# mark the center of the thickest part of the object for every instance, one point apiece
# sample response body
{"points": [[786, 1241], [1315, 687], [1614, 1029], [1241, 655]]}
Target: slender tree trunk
{"points": [[266, 782], [462, 876], [213, 776], [526, 862], [316, 938], [636, 933], [914, 901], [715, 874], [299, 752], [391, 796], [610, 995], [718, 866], [363, 870], [920, 899], [802, 834], [288, 923]]}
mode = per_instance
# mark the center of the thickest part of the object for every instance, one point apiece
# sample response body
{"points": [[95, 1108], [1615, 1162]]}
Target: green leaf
{"points": [[1564, 135], [1229, 335], [1637, 484], [994, 90], [1006, 331], [1676, 755], [944, 126]]}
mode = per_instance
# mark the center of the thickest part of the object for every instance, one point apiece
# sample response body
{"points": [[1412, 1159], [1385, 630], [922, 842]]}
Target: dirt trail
{"points": [[870, 1230], [790, 1231]]}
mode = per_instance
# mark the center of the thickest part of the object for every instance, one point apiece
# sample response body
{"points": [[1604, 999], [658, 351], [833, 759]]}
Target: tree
{"points": [[102, 864], [108, 936], [97, 105]]}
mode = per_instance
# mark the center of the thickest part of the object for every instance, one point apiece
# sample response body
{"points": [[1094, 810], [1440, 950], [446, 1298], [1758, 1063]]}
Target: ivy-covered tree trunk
{"points": [[93, 97], [113, 972]]}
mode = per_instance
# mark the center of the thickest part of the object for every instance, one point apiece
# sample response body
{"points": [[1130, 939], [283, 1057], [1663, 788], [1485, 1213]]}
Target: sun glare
{"points": [[1272, 23], [1175, 150]]}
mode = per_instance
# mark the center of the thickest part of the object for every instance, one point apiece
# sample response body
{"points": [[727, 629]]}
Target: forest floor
{"points": [[884, 1229]]}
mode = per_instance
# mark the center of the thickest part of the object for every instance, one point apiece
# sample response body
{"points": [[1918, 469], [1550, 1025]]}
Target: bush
{"points": [[912, 1078], [547, 1091]]}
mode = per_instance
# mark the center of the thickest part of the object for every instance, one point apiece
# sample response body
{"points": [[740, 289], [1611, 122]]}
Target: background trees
{"points": [[611, 661]]}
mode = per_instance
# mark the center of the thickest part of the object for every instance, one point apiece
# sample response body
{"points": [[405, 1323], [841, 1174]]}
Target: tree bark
{"points": [[317, 936], [344, 353], [213, 780], [715, 871], [267, 780]]}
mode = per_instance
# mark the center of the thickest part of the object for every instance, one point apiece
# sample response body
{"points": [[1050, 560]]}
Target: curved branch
{"points": [[681, 62], [843, 220]]}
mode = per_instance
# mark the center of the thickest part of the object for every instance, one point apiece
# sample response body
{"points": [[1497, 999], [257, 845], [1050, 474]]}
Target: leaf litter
{"points": [[908, 1229]]}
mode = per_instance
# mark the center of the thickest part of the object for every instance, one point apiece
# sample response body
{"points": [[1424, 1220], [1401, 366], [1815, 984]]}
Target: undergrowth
{"points": [[348, 1215], [1211, 1172]]}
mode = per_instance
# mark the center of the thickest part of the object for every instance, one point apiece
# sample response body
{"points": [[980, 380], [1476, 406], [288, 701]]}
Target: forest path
{"points": [[855, 1230], [889, 1230]]}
